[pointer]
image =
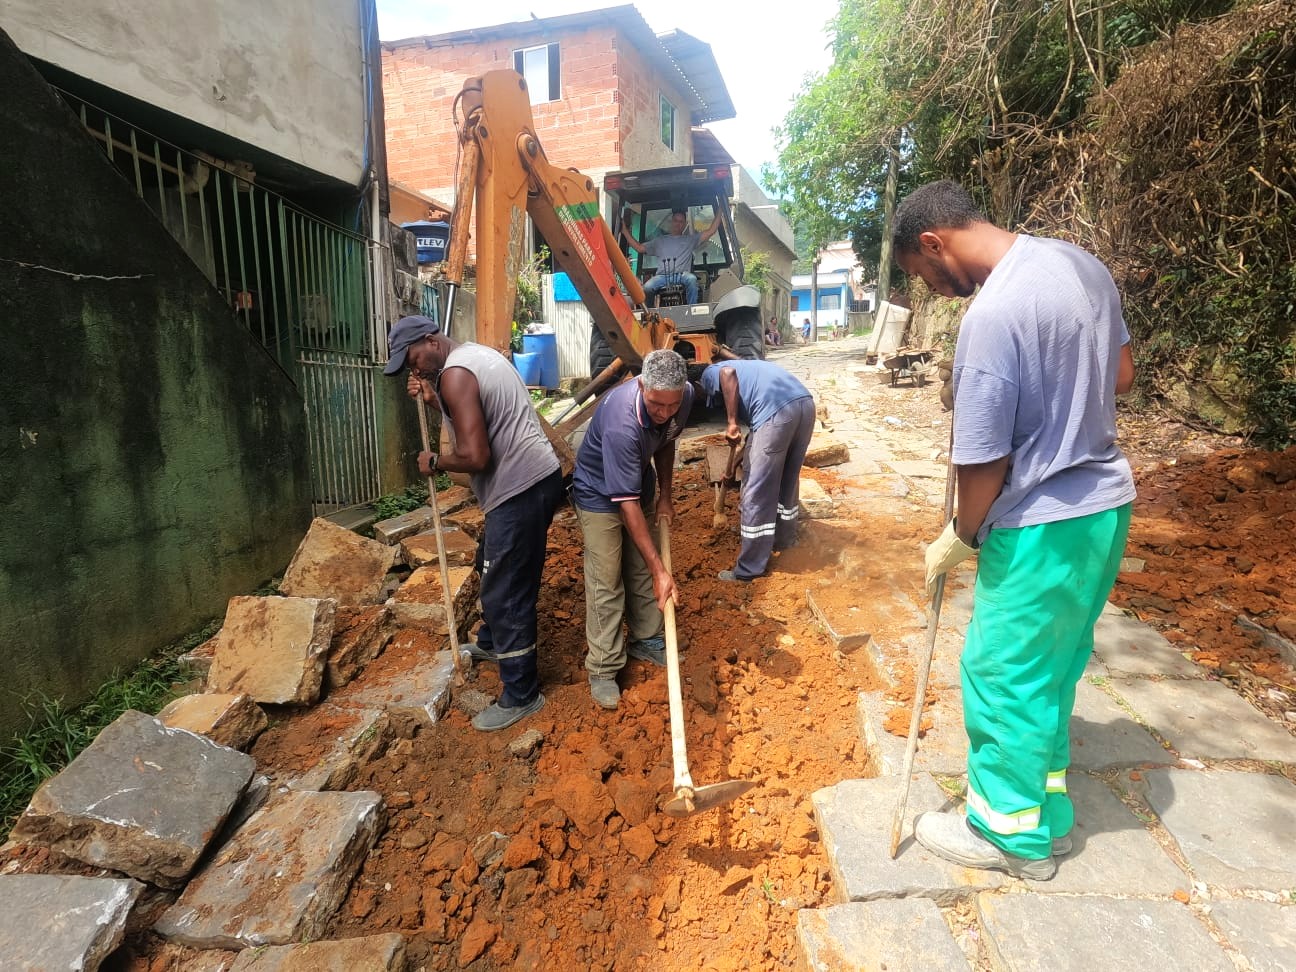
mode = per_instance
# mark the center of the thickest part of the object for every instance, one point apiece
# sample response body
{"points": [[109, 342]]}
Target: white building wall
{"points": [[286, 76]]}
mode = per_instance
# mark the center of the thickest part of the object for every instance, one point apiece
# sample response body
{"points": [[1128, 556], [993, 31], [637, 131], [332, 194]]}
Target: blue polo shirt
{"points": [[614, 462], [763, 388]]}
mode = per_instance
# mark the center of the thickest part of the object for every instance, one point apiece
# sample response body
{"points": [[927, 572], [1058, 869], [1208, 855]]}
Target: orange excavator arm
{"points": [[503, 168]]}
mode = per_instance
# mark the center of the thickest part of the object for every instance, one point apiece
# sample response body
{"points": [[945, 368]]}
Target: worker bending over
{"points": [[632, 433], [518, 484], [1044, 493], [780, 414], [674, 253]]}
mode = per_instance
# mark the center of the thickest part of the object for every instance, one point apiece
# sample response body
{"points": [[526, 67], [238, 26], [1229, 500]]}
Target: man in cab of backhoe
{"points": [[674, 253], [632, 434], [517, 480]]}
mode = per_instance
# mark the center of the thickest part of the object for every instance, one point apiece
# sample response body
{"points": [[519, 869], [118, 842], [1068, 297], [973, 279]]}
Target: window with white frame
{"points": [[539, 65], [667, 123]]}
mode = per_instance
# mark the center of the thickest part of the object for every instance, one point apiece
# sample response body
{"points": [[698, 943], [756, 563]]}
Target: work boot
{"points": [[479, 653], [729, 575], [1062, 846], [496, 716], [649, 650], [949, 835], [605, 691]]}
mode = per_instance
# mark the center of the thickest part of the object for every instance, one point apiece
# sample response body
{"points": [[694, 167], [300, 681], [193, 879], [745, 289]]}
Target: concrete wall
{"points": [[607, 118], [286, 77], [152, 453]]}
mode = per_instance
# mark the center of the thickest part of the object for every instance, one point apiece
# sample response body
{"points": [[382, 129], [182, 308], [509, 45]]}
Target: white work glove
{"points": [[944, 552]]}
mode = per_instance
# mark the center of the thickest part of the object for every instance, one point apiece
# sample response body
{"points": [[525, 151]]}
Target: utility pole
{"points": [[884, 259], [814, 297]]}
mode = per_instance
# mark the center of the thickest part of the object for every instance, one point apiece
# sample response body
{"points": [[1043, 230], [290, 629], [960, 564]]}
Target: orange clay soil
{"points": [[1218, 534], [562, 859]]}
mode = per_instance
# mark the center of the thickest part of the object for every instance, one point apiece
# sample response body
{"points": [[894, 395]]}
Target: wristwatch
{"points": [[432, 463]]}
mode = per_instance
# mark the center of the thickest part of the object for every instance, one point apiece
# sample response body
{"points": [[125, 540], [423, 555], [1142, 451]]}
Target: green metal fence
{"points": [[301, 285]]}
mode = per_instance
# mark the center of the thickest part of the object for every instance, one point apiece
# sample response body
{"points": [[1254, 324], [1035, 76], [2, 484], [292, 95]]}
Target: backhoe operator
{"points": [[674, 253]]}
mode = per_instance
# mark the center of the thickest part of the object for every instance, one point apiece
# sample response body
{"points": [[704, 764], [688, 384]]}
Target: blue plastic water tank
{"points": [[431, 240], [528, 366], [545, 346]]}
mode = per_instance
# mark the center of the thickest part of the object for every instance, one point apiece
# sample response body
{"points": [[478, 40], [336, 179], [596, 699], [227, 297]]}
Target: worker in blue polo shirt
{"points": [[633, 432], [780, 413]]}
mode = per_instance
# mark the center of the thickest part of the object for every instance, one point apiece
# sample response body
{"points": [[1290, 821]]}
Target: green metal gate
{"points": [[301, 285]]}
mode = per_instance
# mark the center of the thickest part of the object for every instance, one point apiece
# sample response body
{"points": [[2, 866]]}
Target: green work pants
{"points": [[1039, 591]]}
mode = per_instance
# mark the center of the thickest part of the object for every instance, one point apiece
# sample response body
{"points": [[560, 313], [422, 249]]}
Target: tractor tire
{"points": [[742, 333], [600, 354]]}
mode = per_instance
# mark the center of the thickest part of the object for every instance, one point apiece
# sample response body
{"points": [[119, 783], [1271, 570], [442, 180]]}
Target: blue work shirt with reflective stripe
{"points": [[763, 388], [615, 458]]}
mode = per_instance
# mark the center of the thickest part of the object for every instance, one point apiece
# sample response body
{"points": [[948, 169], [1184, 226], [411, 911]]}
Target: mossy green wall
{"points": [[152, 454]]}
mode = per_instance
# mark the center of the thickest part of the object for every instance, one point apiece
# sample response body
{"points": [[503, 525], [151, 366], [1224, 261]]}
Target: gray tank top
{"points": [[521, 456]]}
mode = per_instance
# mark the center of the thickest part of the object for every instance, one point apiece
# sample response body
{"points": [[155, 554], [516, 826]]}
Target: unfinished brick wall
{"points": [[608, 115]]}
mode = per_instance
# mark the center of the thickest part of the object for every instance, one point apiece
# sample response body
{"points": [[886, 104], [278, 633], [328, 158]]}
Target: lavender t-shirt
{"points": [[1035, 379]]}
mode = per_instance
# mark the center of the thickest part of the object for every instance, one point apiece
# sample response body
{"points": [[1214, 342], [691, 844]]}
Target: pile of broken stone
{"points": [[165, 822]]}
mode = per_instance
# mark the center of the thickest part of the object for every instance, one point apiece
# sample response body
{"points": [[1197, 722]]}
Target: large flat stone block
{"points": [[376, 953], [1206, 720], [815, 501], [420, 604], [1056, 933], [1126, 645], [1113, 852], [281, 877], [420, 550], [826, 450], [404, 683], [1234, 828], [274, 649], [918, 468], [357, 640], [141, 799], [397, 528], [854, 820], [342, 742], [230, 720], [334, 562], [50, 921], [942, 749], [1262, 931], [908, 935], [843, 625], [1104, 735]]}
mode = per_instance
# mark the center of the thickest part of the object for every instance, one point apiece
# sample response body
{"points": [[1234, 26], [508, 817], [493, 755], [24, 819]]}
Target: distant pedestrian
{"points": [[805, 330], [1041, 357], [772, 337], [780, 414], [517, 480]]}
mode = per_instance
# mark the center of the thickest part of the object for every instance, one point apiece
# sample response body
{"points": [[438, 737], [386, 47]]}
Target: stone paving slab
{"points": [[918, 468], [1206, 720], [906, 935], [421, 549], [395, 529], [229, 720], [331, 561], [1128, 646], [1113, 852], [826, 450], [1057, 933], [375, 953], [50, 921], [141, 799], [842, 625], [1104, 735], [274, 649], [357, 640], [942, 749], [355, 737], [420, 604], [420, 692], [854, 819], [281, 877], [1264, 932], [816, 504], [1236, 829]]}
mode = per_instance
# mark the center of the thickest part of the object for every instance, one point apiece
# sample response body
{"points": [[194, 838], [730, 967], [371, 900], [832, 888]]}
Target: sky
{"points": [[763, 57]]}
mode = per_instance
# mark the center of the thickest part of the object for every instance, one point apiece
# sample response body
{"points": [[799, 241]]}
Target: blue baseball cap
{"points": [[404, 333]]}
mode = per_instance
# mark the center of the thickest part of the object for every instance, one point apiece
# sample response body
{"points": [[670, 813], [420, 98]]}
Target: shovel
{"points": [[688, 798], [718, 521], [924, 670], [451, 623]]}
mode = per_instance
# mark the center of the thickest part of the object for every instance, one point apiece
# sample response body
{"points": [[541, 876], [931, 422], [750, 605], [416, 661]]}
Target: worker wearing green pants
{"points": [[1044, 493]]}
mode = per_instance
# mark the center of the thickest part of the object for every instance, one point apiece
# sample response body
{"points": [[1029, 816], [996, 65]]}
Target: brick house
{"points": [[607, 93]]}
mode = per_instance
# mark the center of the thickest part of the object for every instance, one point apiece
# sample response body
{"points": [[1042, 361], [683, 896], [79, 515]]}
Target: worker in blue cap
{"points": [[515, 475]]}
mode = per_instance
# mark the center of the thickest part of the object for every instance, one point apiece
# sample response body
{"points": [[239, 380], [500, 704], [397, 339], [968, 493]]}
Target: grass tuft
{"points": [[57, 733]]}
